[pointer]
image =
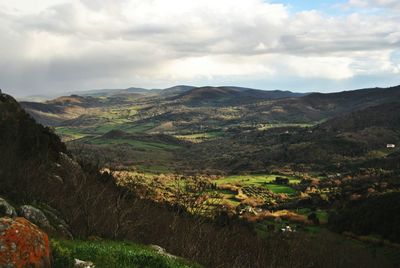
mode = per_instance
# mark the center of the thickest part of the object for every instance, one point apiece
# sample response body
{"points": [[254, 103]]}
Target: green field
{"points": [[102, 127], [106, 254], [200, 137], [264, 180], [259, 179], [280, 189], [277, 125], [154, 169], [141, 145]]}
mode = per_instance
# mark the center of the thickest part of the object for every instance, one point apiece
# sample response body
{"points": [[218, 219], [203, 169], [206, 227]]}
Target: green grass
{"points": [[259, 179], [264, 180], [106, 124], [70, 133], [154, 169], [246, 179], [269, 126], [135, 128], [280, 189], [143, 145], [107, 254], [199, 137]]}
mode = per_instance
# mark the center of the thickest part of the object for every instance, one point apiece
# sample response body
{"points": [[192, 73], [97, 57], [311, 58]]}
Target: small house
{"points": [[390, 145]]}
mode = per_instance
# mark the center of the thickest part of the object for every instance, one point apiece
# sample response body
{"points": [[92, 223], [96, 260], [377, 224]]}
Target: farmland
{"points": [[280, 166]]}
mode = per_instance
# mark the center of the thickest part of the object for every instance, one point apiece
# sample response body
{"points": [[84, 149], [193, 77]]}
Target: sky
{"points": [[57, 46]]}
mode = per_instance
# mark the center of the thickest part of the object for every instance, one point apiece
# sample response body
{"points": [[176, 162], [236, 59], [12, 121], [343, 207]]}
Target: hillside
{"points": [[353, 138], [226, 96], [384, 115], [346, 101], [320, 106], [35, 169], [175, 90], [23, 144]]}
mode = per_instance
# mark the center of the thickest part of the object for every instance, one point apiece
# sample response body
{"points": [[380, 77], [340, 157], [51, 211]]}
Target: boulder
{"points": [[162, 251], [83, 264], [46, 218], [36, 216], [23, 244], [6, 209]]}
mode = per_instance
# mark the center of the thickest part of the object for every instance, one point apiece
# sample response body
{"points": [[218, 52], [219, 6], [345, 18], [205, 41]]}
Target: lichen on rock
{"points": [[23, 244]]}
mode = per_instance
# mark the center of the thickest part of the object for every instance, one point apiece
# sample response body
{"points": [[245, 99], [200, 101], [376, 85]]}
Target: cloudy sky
{"points": [[56, 46]]}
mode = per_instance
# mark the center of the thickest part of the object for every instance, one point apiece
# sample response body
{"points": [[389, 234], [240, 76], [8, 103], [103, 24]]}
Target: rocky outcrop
{"points": [[69, 166], [36, 216], [46, 219], [23, 244], [56, 221], [6, 209]]}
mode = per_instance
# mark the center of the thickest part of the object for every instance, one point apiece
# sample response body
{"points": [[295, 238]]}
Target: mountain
{"points": [[229, 95], [114, 92], [384, 115], [176, 90], [342, 102], [53, 112], [315, 107], [180, 109]]}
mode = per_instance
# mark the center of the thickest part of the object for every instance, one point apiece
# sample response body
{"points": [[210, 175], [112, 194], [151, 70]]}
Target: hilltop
{"points": [[228, 96]]}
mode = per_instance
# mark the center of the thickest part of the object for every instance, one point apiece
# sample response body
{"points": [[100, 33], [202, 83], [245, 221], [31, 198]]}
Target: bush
{"points": [[61, 256], [378, 215]]}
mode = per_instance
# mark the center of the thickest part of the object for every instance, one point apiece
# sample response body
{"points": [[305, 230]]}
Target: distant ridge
{"points": [[111, 92], [357, 99], [230, 95], [255, 105], [176, 90]]}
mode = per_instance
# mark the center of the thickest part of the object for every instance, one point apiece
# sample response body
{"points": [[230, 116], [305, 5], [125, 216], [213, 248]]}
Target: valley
{"points": [[272, 171], [261, 156]]}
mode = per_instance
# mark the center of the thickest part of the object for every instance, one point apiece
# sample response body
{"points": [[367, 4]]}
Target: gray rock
{"points": [[36, 216], [83, 264], [162, 251], [48, 219], [59, 224], [6, 209], [70, 170]]}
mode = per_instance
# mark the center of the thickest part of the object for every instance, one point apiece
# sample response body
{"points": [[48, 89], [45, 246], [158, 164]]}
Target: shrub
{"points": [[62, 256]]}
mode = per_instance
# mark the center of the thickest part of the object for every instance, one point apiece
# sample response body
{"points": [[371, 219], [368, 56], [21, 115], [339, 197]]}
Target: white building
{"points": [[390, 145]]}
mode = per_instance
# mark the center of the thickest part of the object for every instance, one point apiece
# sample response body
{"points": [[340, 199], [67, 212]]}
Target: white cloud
{"points": [[81, 44], [375, 3]]}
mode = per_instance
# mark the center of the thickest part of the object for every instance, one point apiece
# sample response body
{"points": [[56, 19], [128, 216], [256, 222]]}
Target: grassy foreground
{"points": [[112, 254]]}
